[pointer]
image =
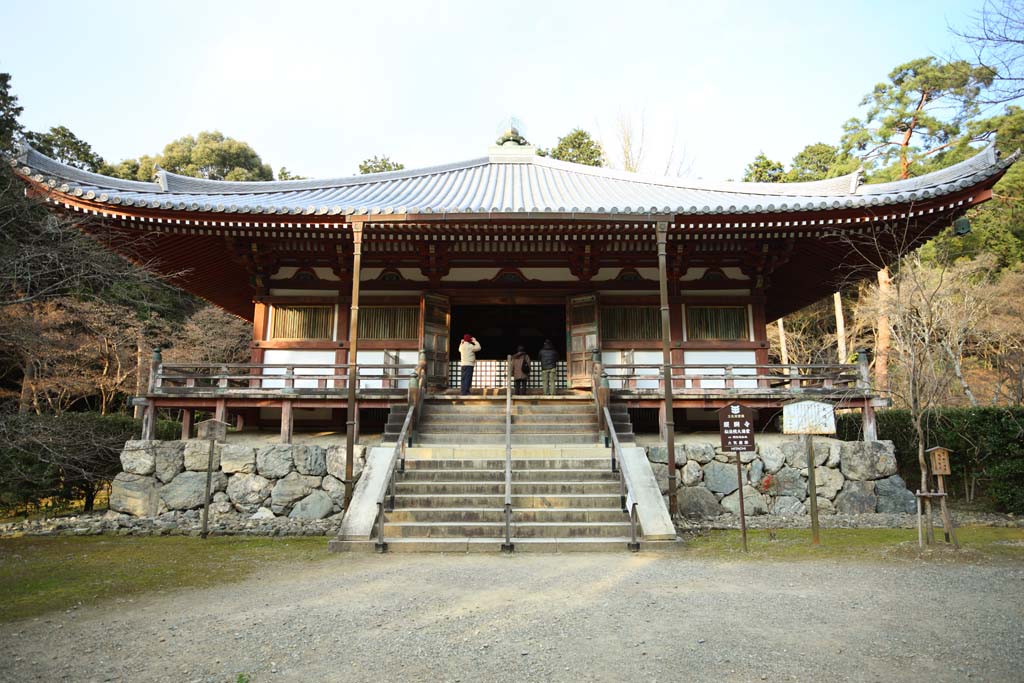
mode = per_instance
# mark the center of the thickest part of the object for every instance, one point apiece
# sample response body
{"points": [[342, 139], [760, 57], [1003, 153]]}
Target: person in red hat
{"points": [[468, 349]]}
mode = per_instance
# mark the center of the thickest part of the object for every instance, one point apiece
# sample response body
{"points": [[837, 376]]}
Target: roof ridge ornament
{"points": [[160, 177]]}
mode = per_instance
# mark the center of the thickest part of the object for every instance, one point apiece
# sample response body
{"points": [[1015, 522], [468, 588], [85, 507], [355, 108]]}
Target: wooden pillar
{"points": [[352, 409], [666, 350], [287, 422], [186, 424], [149, 415], [869, 426], [837, 301], [883, 340], [220, 412]]}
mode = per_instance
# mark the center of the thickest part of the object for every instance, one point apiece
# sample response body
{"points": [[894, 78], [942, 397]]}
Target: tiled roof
{"points": [[510, 180]]}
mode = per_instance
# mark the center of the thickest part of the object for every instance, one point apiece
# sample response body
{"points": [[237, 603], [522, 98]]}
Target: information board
{"points": [[736, 425], [808, 417]]}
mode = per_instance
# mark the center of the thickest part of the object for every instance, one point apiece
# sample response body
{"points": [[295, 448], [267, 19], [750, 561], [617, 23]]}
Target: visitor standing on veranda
{"points": [[468, 349], [520, 369], [548, 357]]}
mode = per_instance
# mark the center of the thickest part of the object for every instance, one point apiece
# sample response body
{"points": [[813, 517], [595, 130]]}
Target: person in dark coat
{"points": [[520, 369], [548, 357]]}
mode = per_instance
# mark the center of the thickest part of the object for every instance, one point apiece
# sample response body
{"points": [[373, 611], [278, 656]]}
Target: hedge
{"points": [[982, 440]]}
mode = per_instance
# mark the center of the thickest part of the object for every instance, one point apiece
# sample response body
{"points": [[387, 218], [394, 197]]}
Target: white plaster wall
{"points": [[290, 356], [720, 359], [640, 358], [377, 358]]}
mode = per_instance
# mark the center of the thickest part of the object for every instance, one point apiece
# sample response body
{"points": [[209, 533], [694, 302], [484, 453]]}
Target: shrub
{"points": [[1007, 486], [980, 439]]}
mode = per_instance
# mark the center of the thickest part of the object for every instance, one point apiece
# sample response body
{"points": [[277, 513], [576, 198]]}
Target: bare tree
{"points": [[631, 141], [997, 39]]}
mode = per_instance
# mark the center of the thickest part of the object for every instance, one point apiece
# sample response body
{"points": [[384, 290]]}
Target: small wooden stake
{"points": [[947, 519], [743, 512], [812, 487], [206, 500]]}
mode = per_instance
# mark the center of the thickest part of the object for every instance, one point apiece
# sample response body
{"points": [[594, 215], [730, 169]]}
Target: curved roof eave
{"points": [[539, 186]]}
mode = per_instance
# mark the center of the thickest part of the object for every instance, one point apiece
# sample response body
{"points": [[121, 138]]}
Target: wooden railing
{"points": [[699, 379], [226, 379]]}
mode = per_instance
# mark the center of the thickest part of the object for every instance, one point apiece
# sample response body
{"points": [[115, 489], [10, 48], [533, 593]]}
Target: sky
{"points": [[318, 87]]}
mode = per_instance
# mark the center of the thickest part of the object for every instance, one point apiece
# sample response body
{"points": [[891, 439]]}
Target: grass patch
{"points": [[976, 544], [38, 575]]}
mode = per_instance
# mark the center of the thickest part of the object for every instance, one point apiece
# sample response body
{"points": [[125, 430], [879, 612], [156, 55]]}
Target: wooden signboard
{"points": [[736, 425], [808, 417], [214, 430], [940, 461]]}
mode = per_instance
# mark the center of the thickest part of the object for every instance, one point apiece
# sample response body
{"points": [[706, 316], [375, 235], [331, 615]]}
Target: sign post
{"points": [[736, 426], [808, 418], [940, 468], [213, 431]]}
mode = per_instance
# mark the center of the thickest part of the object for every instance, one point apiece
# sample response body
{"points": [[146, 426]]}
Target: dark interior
{"points": [[500, 329]]}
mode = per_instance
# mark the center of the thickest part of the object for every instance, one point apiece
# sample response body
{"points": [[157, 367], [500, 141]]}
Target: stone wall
{"points": [[276, 480], [852, 477]]}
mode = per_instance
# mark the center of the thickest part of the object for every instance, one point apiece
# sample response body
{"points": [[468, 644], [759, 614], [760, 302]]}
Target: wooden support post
{"points": [[220, 412], [239, 421], [149, 421], [287, 422], [812, 487], [840, 328], [186, 424], [743, 509], [783, 349], [947, 519], [666, 350], [869, 425], [352, 409]]}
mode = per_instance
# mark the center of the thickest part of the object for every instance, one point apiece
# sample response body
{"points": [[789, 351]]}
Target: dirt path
{"points": [[540, 618]]}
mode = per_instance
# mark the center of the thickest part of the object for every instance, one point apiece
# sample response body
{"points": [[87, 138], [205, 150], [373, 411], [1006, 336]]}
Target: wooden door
{"points": [[436, 317], [584, 337]]}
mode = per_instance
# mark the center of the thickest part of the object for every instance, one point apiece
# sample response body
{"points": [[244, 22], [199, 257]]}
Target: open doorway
{"points": [[500, 329]]}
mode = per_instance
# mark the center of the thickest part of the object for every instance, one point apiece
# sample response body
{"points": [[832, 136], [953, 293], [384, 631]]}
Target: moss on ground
{"points": [[977, 544], [38, 575]]}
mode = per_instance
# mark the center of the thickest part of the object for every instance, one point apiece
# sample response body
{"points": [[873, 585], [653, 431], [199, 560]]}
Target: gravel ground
{"points": [[576, 617]]}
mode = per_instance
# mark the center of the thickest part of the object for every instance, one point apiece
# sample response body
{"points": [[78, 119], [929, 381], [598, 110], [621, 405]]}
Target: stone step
{"points": [[499, 409], [478, 428], [518, 530], [529, 418], [497, 514], [518, 464], [552, 439], [497, 475], [519, 501], [497, 452], [480, 488], [522, 545]]}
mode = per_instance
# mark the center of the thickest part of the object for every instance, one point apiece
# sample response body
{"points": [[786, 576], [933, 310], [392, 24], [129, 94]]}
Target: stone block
{"points": [[248, 491], [309, 460], [291, 489], [796, 453], [139, 457], [692, 473], [263, 513], [335, 456], [825, 506], [893, 496], [197, 455], [703, 453], [720, 478], [135, 494], [753, 502], [187, 490], [237, 459], [865, 461], [755, 472], [316, 505], [829, 481], [696, 502], [788, 505], [275, 461], [170, 459], [335, 488], [787, 482], [773, 458], [856, 498]]}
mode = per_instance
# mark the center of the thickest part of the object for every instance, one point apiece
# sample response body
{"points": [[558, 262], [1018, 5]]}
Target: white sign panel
{"points": [[808, 417]]}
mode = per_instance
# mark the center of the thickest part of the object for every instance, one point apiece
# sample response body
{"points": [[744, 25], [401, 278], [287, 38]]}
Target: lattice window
{"points": [[302, 322], [389, 322], [717, 323], [630, 323]]}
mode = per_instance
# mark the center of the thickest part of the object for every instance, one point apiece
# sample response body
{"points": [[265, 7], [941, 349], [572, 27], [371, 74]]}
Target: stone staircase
{"points": [[560, 420], [568, 501], [564, 495]]}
